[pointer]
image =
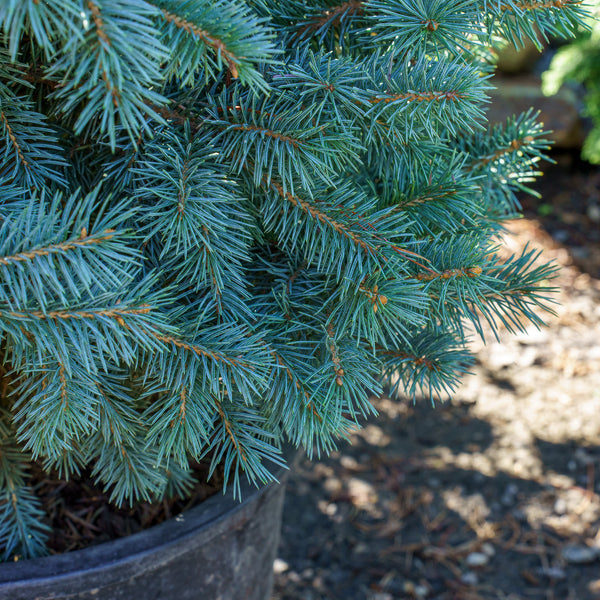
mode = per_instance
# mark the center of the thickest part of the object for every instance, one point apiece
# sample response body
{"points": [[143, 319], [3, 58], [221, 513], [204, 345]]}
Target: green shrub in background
{"points": [[579, 61], [223, 224]]}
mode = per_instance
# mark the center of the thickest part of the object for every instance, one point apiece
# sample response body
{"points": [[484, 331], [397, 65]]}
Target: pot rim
{"points": [[203, 522]]}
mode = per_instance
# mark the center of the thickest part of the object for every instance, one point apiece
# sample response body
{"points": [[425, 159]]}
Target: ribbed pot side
{"points": [[219, 550]]}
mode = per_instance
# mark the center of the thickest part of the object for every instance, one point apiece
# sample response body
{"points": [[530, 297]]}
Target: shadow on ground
{"points": [[419, 507]]}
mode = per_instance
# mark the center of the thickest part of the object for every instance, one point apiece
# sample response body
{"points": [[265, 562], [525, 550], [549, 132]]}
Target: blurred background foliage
{"points": [[579, 61]]}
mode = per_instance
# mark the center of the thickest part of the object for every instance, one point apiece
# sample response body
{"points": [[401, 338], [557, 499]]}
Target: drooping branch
{"points": [[213, 42], [229, 430], [514, 146], [83, 241], [343, 230], [182, 195], [14, 141], [294, 379], [425, 199], [322, 217], [200, 351], [98, 22], [63, 386], [182, 406], [66, 315]]}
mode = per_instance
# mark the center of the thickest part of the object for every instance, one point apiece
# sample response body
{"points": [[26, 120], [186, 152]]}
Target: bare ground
{"points": [[494, 494]]}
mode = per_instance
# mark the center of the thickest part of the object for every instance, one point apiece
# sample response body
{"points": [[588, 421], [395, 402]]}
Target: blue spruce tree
{"points": [[224, 223]]}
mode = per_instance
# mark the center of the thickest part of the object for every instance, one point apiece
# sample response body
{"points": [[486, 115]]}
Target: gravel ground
{"points": [[492, 495]]}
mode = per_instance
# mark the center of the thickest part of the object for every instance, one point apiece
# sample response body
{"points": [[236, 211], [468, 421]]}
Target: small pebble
{"points": [[560, 506], [593, 213], [579, 555], [416, 591], [293, 577], [361, 548], [477, 559], [280, 566], [348, 462], [380, 596], [554, 573], [469, 578]]}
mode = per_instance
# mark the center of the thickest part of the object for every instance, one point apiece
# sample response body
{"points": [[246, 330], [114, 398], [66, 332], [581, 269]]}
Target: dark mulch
{"points": [[81, 515], [493, 495]]}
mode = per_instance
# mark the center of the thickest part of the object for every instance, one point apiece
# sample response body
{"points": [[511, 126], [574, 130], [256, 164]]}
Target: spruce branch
{"points": [[50, 22], [191, 211], [31, 152], [241, 444], [179, 424], [517, 20], [272, 135], [520, 293], [333, 85], [220, 357], [129, 469], [55, 250], [446, 92], [294, 403], [23, 534], [66, 407], [231, 33], [112, 70], [333, 227], [431, 363], [506, 159], [430, 26]]}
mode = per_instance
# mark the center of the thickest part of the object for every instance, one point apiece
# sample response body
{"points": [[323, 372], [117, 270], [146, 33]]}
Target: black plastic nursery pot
{"points": [[222, 549]]}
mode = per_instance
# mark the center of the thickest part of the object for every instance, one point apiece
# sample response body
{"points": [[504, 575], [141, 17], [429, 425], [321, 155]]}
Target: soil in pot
{"points": [[80, 513]]}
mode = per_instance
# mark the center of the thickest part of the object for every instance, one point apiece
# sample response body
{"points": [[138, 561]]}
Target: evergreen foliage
{"points": [[223, 224], [579, 62]]}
